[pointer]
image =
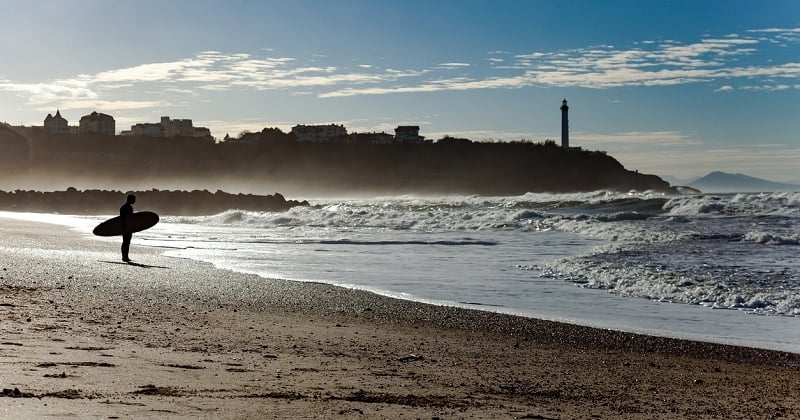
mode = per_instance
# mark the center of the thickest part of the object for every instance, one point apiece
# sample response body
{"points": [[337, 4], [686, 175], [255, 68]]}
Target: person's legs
{"points": [[126, 246]]}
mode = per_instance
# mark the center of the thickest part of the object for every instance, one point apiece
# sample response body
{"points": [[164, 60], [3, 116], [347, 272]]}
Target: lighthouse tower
{"points": [[564, 124]]}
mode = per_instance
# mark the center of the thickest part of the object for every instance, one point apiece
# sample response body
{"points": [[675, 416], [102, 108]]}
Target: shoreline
{"points": [[187, 339], [724, 319]]}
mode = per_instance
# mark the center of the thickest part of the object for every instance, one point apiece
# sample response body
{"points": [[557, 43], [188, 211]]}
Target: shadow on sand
{"points": [[135, 264]]}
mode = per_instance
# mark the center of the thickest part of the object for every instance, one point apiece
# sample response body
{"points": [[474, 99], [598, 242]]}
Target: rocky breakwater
{"points": [[185, 203]]}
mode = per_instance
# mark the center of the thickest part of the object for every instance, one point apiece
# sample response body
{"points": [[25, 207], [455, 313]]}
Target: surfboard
{"points": [[137, 222]]}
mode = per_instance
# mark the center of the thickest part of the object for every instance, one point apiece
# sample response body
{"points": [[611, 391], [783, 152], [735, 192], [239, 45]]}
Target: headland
{"points": [[275, 161]]}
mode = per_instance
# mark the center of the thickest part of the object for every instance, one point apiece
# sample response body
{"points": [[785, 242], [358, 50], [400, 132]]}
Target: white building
{"points": [[146, 129], [202, 132], [318, 133], [168, 128], [172, 128], [408, 134], [97, 123], [56, 124]]}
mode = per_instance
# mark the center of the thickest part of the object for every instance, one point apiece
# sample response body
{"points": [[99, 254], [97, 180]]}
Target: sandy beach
{"points": [[86, 336]]}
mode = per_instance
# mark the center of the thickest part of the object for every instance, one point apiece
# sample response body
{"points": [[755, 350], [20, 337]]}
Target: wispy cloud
{"points": [[770, 87], [728, 62], [451, 66], [635, 138], [649, 63], [106, 105], [42, 93]]}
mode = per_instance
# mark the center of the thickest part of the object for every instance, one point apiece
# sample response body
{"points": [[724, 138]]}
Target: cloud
{"points": [[776, 30], [648, 64], [531, 56], [667, 64], [106, 105], [42, 93], [452, 84], [452, 65], [778, 36], [728, 62], [770, 88], [145, 72], [636, 138]]}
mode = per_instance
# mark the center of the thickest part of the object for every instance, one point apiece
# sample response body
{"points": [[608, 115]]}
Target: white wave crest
{"points": [[785, 204], [695, 205], [633, 280], [644, 217], [764, 238]]}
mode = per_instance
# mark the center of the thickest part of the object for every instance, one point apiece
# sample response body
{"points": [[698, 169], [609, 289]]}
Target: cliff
{"points": [[277, 162], [14, 152]]}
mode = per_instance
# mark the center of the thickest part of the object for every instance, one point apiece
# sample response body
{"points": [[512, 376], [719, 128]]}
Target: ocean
{"points": [[720, 268]]}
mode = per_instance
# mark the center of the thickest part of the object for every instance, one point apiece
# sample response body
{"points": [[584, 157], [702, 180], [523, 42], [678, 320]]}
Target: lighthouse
{"points": [[564, 124]]}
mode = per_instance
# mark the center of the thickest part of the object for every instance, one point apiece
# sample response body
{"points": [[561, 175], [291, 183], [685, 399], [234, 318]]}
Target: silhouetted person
{"points": [[125, 211]]}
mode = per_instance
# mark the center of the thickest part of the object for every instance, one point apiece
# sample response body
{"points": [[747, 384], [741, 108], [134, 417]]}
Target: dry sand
{"points": [[84, 336]]}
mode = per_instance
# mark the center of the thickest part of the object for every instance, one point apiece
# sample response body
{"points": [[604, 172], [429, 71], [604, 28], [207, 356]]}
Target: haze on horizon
{"points": [[678, 88]]}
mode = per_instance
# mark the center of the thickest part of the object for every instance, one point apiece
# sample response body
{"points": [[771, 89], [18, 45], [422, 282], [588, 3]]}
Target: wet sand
{"points": [[84, 335]]}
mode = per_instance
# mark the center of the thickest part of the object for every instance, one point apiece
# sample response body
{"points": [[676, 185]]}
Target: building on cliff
{"points": [[181, 127], [168, 128], [318, 133], [408, 134], [144, 129], [56, 124], [97, 123], [370, 138], [333, 133]]}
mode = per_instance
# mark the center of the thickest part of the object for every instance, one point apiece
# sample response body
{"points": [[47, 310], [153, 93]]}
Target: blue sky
{"points": [[669, 87]]}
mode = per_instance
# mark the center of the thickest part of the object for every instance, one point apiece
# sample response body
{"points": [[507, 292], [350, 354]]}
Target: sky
{"points": [[678, 88]]}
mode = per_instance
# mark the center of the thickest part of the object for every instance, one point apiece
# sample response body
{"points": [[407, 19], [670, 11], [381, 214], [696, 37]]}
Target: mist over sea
{"points": [[722, 268]]}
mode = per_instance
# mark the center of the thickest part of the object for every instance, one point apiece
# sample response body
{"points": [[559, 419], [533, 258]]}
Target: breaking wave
{"points": [[735, 251]]}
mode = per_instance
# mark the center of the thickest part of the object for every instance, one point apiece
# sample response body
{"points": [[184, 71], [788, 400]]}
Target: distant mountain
{"points": [[725, 182]]}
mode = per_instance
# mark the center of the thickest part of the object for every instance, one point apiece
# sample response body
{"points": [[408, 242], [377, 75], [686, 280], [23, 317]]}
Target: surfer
{"points": [[125, 211]]}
